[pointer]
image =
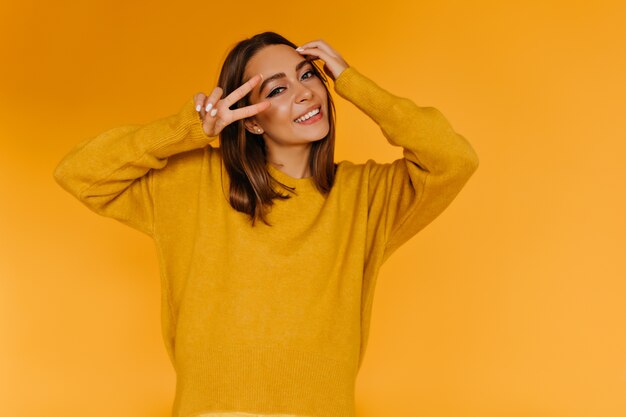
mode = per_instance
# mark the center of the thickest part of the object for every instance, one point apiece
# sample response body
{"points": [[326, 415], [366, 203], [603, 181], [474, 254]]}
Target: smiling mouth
{"points": [[312, 114]]}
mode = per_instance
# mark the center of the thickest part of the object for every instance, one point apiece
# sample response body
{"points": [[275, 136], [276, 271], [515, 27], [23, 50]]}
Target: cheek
{"points": [[319, 88], [280, 112]]}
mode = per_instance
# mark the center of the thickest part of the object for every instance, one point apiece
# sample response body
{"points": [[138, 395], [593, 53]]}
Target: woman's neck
{"points": [[293, 161]]}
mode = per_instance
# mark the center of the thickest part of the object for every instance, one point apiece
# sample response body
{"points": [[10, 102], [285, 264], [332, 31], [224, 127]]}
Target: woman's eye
{"points": [[273, 92], [278, 89]]}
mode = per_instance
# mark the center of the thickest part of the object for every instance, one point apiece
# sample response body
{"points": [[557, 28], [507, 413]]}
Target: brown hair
{"points": [[245, 154]]}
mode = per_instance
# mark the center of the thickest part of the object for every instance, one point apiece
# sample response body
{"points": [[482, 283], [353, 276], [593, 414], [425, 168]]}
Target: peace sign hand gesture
{"points": [[216, 114], [334, 64]]}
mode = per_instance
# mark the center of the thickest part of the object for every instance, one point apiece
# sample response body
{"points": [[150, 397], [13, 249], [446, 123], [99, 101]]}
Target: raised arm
{"points": [[112, 172], [409, 193]]}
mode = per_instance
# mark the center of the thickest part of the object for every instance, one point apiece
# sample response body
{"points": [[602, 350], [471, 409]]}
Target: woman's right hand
{"points": [[219, 115]]}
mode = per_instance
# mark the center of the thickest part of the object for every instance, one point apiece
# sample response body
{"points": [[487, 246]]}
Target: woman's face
{"points": [[293, 89]]}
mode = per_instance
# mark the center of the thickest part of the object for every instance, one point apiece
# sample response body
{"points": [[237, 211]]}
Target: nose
{"points": [[304, 93]]}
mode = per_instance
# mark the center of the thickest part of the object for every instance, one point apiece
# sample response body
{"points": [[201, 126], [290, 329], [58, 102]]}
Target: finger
{"points": [[316, 53], [212, 100], [333, 66], [251, 110], [311, 50], [241, 92], [322, 45], [198, 100]]}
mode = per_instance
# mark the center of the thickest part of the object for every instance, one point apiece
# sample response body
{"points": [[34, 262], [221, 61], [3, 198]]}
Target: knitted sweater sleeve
{"points": [[111, 173], [407, 194]]}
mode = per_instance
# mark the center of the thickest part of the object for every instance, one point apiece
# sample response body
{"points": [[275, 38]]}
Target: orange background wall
{"points": [[511, 303]]}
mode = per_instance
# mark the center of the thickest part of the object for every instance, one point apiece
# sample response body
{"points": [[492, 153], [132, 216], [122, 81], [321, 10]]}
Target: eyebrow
{"points": [[281, 75]]}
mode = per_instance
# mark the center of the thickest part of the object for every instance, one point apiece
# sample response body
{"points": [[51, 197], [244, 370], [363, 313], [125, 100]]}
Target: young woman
{"points": [[271, 317]]}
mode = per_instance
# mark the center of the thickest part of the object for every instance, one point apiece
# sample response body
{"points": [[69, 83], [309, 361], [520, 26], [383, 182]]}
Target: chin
{"points": [[324, 134]]}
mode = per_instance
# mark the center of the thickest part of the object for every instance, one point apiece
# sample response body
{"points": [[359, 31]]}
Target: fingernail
{"points": [[299, 48], [208, 107], [213, 112], [198, 107]]}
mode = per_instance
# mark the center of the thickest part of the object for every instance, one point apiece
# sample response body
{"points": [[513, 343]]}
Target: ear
{"points": [[252, 126]]}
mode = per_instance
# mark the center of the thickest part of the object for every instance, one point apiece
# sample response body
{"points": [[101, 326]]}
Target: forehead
{"points": [[272, 59]]}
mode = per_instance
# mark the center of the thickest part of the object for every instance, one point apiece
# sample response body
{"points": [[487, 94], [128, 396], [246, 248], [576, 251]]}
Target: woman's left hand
{"points": [[334, 64]]}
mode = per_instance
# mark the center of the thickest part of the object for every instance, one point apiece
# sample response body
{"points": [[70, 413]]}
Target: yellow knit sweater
{"points": [[270, 319]]}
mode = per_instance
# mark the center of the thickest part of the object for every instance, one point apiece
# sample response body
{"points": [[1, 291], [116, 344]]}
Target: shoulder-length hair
{"points": [[245, 154]]}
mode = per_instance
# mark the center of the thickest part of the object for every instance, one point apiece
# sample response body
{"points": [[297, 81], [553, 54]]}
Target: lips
{"points": [[309, 110]]}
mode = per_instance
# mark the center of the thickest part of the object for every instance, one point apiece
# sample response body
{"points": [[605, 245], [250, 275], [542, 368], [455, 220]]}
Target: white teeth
{"points": [[307, 116]]}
